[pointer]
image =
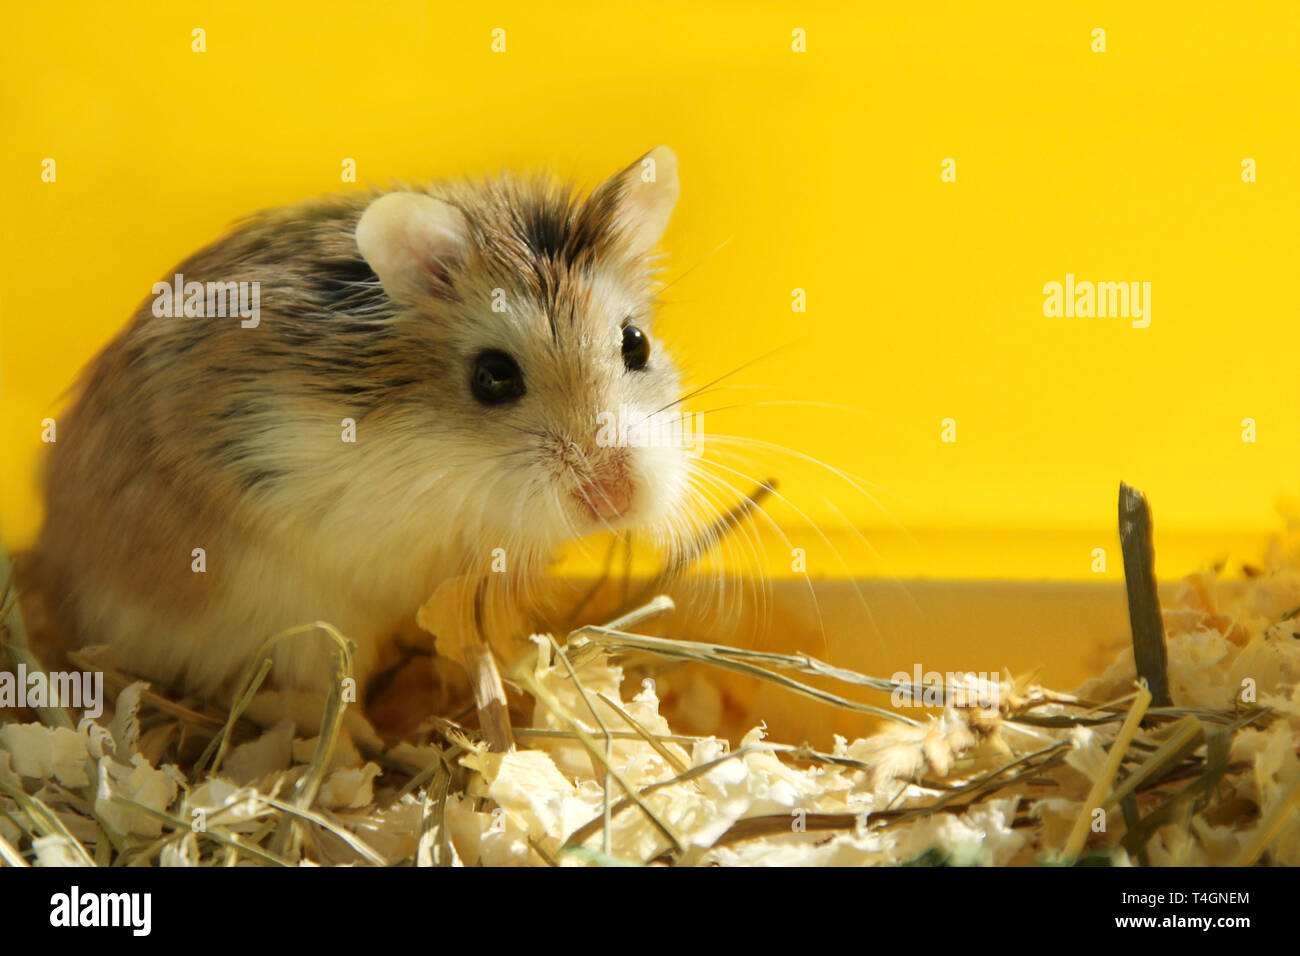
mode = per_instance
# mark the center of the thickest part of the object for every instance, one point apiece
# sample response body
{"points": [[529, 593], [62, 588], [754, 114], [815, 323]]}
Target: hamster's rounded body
{"points": [[419, 387]]}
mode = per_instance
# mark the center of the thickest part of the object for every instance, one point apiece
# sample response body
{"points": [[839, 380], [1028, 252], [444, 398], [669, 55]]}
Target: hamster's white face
{"points": [[573, 402], [550, 411]]}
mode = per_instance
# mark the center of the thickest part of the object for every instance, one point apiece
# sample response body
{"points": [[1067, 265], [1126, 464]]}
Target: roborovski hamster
{"points": [[418, 385]]}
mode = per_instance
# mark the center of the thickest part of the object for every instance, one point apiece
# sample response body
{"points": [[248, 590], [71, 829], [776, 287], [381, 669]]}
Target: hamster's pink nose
{"points": [[605, 497]]}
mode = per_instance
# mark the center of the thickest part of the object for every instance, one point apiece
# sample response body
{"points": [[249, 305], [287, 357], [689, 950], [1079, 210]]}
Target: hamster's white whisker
{"points": [[818, 531], [754, 569], [846, 477], [726, 375]]}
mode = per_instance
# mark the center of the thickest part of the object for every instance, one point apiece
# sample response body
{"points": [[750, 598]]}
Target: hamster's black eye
{"points": [[636, 348], [497, 378]]}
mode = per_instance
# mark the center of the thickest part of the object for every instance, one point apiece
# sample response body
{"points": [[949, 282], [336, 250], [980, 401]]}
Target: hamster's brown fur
{"points": [[200, 433]]}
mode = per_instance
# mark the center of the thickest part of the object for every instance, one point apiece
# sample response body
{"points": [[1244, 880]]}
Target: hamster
{"points": [[419, 387]]}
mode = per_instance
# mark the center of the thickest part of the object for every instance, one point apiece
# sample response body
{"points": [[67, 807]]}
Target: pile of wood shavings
{"points": [[599, 778]]}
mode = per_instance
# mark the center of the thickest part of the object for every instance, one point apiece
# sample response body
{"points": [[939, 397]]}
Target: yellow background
{"points": [[818, 170]]}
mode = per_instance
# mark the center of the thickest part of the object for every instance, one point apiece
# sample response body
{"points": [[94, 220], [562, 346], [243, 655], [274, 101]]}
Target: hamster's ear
{"points": [[645, 195], [412, 242]]}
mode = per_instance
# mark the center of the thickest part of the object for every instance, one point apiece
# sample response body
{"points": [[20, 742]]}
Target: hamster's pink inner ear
{"points": [[649, 192], [412, 242]]}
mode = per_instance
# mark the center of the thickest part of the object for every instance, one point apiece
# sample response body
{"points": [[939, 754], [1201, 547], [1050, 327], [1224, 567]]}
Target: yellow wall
{"points": [[818, 170]]}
